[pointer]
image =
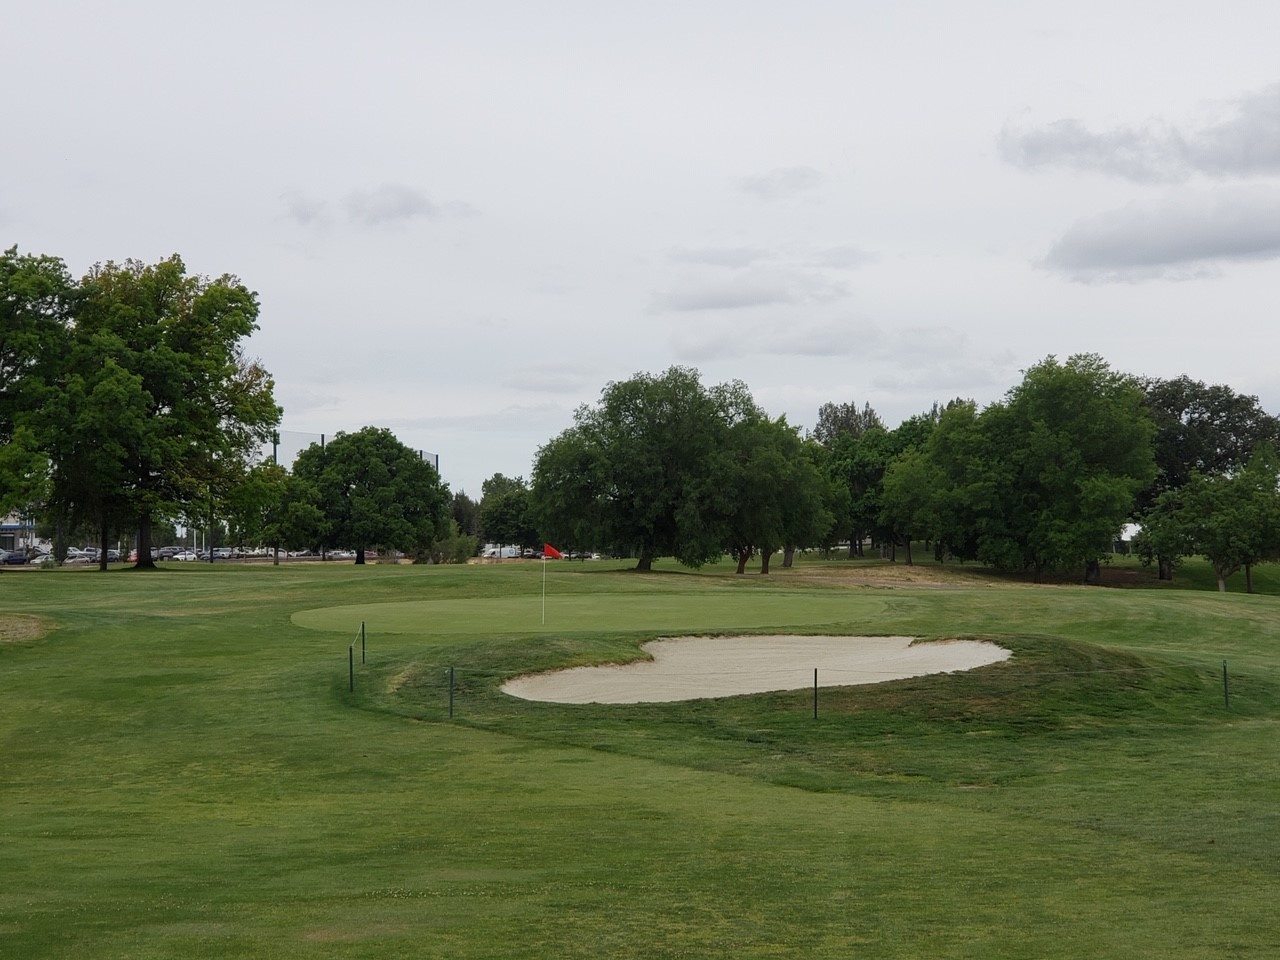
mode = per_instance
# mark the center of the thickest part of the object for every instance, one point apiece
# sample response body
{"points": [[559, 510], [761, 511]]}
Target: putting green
{"points": [[598, 613]]}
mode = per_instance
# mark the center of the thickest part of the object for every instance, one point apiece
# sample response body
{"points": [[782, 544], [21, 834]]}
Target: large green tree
{"points": [[947, 491], [374, 491], [36, 299], [164, 349], [858, 462], [1231, 519], [1200, 429], [810, 501], [1071, 448], [638, 471], [504, 512]]}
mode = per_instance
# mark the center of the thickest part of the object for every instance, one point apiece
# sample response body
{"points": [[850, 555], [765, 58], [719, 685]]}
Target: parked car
{"points": [[12, 557], [186, 555]]}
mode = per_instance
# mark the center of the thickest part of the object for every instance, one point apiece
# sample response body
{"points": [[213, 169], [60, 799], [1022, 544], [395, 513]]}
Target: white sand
{"points": [[689, 668]]}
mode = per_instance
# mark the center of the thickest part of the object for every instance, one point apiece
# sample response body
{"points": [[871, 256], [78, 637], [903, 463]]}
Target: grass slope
{"points": [[186, 773]]}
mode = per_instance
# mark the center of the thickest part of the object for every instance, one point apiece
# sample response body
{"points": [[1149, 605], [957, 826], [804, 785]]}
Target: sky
{"points": [[463, 221]]}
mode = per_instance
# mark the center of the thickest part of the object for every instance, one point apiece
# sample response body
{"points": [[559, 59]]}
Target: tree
{"points": [[1072, 448], [963, 482], [504, 512], [1232, 519], [810, 502], [466, 514], [836, 420], [257, 507], [163, 349], [859, 462], [452, 545], [374, 491], [752, 482], [640, 468], [564, 504], [36, 297], [908, 503], [903, 512], [1201, 429]]}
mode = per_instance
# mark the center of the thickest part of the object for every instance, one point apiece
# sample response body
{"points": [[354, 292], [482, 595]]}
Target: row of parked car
{"points": [[88, 555]]}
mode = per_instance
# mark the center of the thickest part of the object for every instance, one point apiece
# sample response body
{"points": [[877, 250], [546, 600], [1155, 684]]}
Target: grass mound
{"points": [[1051, 693]]}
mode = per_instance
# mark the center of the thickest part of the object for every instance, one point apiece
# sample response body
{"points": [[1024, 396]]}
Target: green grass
{"points": [[185, 772]]}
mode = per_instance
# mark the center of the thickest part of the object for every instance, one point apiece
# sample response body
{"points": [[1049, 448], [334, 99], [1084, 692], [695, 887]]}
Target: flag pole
{"points": [[544, 589]]}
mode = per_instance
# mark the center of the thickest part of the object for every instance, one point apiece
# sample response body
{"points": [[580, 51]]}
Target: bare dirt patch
{"points": [[20, 628], [690, 668]]}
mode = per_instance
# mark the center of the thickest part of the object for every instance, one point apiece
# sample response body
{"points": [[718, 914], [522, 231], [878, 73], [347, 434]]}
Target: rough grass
{"points": [[186, 772]]}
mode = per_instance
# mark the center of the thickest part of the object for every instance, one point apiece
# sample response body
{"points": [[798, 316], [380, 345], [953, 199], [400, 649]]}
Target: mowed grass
{"points": [[185, 772]]}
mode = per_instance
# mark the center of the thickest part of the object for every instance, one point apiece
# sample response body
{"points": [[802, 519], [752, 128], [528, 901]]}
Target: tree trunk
{"points": [[855, 544], [743, 554], [1222, 584], [144, 561], [1165, 566], [907, 544], [1248, 578], [104, 534], [645, 563], [359, 555], [1093, 572], [788, 556], [765, 554], [275, 556]]}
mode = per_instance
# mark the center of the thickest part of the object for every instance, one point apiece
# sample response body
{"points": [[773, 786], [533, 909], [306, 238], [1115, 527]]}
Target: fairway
{"points": [[188, 771]]}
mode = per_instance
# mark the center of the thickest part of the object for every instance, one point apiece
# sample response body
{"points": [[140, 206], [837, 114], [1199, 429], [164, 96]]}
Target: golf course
{"points": [[318, 760]]}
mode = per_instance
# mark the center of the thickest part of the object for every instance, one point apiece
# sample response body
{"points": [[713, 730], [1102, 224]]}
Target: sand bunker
{"points": [[689, 668]]}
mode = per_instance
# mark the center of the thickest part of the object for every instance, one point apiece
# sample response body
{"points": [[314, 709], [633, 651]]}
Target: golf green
{"points": [[611, 613]]}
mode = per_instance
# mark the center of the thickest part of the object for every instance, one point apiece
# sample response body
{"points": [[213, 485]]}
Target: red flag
{"points": [[551, 553]]}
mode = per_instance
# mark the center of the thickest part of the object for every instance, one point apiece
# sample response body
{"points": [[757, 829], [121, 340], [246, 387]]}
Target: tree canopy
{"points": [[663, 466], [130, 388], [1043, 480], [1231, 519], [374, 491]]}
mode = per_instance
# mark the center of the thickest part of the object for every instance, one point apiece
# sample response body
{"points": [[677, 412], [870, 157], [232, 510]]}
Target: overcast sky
{"points": [[463, 220]]}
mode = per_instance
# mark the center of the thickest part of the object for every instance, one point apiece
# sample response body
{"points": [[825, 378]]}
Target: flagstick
{"points": [[544, 590]]}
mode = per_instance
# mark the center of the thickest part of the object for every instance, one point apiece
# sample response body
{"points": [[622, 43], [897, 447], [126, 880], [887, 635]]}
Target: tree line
{"points": [[1043, 480], [127, 401]]}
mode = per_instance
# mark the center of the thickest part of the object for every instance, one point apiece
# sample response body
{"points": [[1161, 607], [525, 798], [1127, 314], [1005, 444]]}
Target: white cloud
{"points": [[1149, 153], [390, 203], [1244, 142], [305, 211], [782, 183], [387, 204], [733, 294], [1181, 236]]}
